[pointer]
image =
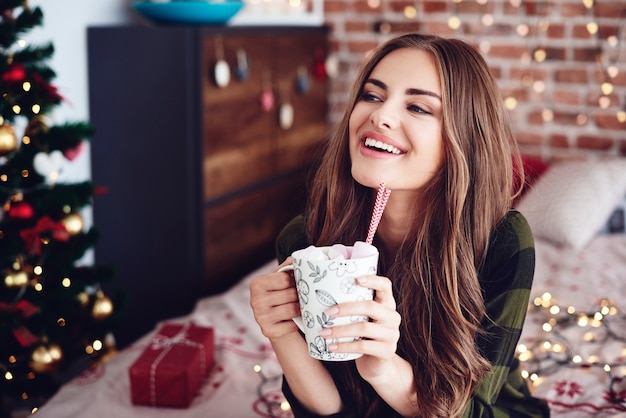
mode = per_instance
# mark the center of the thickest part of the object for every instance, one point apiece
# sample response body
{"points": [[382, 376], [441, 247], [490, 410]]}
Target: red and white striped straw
{"points": [[379, 206]]}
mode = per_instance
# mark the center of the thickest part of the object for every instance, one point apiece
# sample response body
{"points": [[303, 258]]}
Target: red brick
{"points": [[535, 118], [565, 118], [507, 51], [593, 98], [435, 6], [565, 96], [361, 46], [610, 9], [573, 9], [533, 73], [600, 76], [556, 31], [558, 141], [438, 28], [361, 6], [604, 31], [539, 8], [573, 75], [472, 7], [335, 6], [527, 138], [608, 120], [587, 54], [396, 27], [594, 143], [581, 32], [398, 6], [510, 9], [357, 26], [554, 53]]}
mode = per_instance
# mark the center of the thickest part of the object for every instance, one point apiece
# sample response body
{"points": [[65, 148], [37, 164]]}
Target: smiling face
{"points": [[395, 126]]}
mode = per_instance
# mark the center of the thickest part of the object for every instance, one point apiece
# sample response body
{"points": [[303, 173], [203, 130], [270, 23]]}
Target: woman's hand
{"points": [[274, 301], [379, 336]]}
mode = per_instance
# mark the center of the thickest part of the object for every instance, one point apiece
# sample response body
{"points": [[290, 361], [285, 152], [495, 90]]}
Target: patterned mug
{"points": [[322, 283]]}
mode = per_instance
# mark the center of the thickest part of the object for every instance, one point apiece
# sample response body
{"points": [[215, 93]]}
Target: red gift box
{"points": [[170, 371]]}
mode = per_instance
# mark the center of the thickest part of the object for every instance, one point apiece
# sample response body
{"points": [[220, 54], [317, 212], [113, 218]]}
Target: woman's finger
{"points": [[383, 292]]}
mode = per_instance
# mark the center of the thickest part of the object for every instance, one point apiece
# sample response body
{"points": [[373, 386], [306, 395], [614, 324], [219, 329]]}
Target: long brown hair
{"points": [[434, 272]]}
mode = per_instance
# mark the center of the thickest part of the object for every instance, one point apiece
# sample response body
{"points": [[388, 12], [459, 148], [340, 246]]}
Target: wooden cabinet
{"points": [[199, 178]]}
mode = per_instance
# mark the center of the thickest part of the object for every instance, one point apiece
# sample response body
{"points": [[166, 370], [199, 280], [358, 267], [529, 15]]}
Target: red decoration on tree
{"points": [[24, 310], [49, 90], [15, 74], [72, 153], [32, 236], [21, 210]]}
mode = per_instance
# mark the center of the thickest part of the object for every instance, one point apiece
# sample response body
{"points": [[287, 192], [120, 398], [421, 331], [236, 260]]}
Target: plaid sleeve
{"points": [[506, 279]]}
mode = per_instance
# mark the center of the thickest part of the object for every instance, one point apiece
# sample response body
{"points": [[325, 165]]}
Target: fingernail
{"points": [[362, 279], [325, 332], [332, 347], [333, 310]]}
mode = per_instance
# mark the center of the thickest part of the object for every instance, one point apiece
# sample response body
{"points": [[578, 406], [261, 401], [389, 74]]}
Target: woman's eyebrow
{"points": [[410, 92]]}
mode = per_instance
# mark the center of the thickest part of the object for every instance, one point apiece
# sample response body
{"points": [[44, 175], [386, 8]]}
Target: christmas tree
{"points": [[53, 311]]}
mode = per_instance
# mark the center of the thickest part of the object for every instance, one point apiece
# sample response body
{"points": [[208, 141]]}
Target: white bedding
{"points": [[582, 279], [576, 278]]}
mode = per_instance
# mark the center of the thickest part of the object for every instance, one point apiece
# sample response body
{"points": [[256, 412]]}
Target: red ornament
{"points": [[319, 67], [21, 210], [72, 153], [267, 100], [15, 74]]}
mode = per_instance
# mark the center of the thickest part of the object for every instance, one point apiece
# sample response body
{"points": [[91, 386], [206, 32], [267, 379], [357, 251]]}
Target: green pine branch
{"points": [[13, 26]]}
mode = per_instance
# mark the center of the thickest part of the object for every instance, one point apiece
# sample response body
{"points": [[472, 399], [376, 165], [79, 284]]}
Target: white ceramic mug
{"points": [[322, 284]]}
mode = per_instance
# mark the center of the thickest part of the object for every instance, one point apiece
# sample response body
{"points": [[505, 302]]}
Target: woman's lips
{"points": [[375, 144]]}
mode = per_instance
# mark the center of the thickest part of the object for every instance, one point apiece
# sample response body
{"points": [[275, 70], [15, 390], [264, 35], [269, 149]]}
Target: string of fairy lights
{"points": [[566, 332], [571, 338], [533, 29]]}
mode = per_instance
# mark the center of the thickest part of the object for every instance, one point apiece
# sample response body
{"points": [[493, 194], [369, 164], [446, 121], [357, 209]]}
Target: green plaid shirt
{"points": [[506, 280]]}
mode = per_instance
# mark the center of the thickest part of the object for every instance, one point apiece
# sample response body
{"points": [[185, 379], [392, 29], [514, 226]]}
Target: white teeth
{"points": [[369, 142]]}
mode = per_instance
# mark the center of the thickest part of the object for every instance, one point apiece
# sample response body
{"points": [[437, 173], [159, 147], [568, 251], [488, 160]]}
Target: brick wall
{"points": [[558, 106]]}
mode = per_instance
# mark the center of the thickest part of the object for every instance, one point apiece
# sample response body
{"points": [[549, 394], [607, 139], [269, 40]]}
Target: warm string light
{"points": [[608, 55], [599, 325], [275, 409]]}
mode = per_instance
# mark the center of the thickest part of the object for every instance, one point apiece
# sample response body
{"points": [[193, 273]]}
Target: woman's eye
{"points": [[369, 97], [417, 109]]}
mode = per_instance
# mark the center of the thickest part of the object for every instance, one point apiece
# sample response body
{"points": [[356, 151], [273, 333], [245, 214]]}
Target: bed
{"points": [[574, 359]]}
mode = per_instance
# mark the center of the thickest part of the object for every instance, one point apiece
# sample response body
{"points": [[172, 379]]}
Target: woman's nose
{"points": [[384, 117]]}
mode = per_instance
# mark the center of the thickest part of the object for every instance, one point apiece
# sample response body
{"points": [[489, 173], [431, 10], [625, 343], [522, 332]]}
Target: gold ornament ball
{"points": [[16, 279], [83, 299], [46, 358], [73, 223], [102, 307], [8, 140]]}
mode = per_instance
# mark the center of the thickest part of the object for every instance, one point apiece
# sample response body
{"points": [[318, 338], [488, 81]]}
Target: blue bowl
{"points": [[190, 12]]}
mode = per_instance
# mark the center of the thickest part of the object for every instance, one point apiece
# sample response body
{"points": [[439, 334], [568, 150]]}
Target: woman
{"points": [[456, 263]]}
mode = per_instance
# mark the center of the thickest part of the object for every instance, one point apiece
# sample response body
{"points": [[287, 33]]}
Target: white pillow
{"points": [[571, 202]]}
